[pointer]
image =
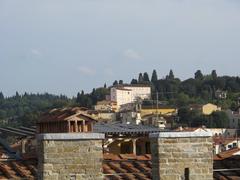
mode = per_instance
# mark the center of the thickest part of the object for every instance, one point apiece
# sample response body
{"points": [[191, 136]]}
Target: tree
{"points": [[1, 96], [115, 83], [120, 82], [198, 75], [218, 119], [85, 100], [105, 85], [17, 95], [214, 74], [134, 81], [191, 118], [145, 77], [189, 87], [170, 75], [82, 92], [140, 78], [2, 114], [98, 94], [154, 76], [79, 96], [182, 99]]}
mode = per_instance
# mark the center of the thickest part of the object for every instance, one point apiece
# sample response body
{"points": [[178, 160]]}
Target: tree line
{"points": [[198, 89], [25, 109]]}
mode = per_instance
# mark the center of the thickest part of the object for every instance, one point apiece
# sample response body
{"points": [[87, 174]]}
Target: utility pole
{"points": [[157, 106]]}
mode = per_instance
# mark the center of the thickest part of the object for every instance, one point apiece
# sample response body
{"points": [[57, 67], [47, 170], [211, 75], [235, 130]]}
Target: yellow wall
{"points": [[119, 146], [208, 109], [169, 111]]}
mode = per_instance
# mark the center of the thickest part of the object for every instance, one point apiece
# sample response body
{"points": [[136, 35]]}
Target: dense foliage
{"points": [[198, 90], [193, 118], [25, 109]]}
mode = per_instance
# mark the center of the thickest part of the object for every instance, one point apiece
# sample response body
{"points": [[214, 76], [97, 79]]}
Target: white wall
{"points": [[129, 94]]}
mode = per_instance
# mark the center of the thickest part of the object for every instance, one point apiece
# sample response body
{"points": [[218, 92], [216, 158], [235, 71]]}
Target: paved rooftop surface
{"points": [[106, 128]]}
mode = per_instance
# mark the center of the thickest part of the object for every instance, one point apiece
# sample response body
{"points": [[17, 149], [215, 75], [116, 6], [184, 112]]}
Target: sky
{"points": [[63, 47]]}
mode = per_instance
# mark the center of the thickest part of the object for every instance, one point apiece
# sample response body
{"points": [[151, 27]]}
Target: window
{"points": [[186, 174]]}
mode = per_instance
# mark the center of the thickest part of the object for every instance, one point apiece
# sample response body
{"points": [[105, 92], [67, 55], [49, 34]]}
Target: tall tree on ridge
{"points": [[115, 83], [140, 78], [198, 75], [146, 77], [154, 76], [1, 96], [134, 81], [171, 75], [214, 74]]}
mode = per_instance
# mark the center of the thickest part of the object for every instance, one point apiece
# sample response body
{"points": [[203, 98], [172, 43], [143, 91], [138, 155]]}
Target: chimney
{"points": [[70, 156], [67, 147], [182, 155]]}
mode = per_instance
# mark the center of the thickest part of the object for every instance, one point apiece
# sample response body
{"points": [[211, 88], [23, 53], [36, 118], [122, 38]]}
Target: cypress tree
{"points": [[154, 76]]}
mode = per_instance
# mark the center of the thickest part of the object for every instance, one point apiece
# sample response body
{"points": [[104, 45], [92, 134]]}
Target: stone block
{"points": [[65, 158], [181, 153]]}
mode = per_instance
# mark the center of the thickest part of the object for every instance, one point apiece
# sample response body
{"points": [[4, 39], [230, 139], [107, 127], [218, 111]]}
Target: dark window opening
{"points": [[186, 174]]}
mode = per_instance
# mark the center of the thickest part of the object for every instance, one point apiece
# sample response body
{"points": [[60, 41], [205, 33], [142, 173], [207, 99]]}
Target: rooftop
{"points": [[132, 85], [100, 127], [65, 114]]}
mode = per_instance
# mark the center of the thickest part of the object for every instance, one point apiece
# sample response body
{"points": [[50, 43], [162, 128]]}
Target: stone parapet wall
{"points": [[70, 156], [181, 155]]}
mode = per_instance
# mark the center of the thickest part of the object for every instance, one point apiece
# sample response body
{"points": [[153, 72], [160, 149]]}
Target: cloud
{"points": [[86, 70], [132, 54], [36, 52]]}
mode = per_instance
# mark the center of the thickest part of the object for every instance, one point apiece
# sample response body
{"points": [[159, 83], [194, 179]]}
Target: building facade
{"points": [[129, 93], [234, 118]]}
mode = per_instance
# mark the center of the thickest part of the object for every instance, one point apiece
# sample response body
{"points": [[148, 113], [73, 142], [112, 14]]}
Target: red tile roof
{"points": [[119, 167], [226, 154], [127, 166], [65, 114], [18, 169], [222, 140]]}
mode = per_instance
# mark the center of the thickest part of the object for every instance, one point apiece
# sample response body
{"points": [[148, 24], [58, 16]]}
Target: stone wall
{"points": [[182, 155], [70, 156]]}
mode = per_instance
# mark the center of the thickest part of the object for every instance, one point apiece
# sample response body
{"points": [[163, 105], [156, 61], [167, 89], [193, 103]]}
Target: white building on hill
{"points": [[124, 94]]}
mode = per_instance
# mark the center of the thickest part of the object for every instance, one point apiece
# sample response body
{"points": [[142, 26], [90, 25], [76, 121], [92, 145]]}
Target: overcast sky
{"points": [[62, 46]]}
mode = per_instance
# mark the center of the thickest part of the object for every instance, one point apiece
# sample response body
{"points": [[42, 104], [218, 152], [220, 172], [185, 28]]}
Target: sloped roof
{"points": [[127, 166], [18, 169], [227, 154], [223, 140], [120, 128], [65, 114]]}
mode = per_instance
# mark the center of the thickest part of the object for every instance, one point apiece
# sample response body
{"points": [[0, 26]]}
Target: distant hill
{"points": [[25, 109]]}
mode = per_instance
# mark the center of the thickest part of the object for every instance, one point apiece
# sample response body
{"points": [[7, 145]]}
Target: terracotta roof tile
{"points": [[226, 154]]}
